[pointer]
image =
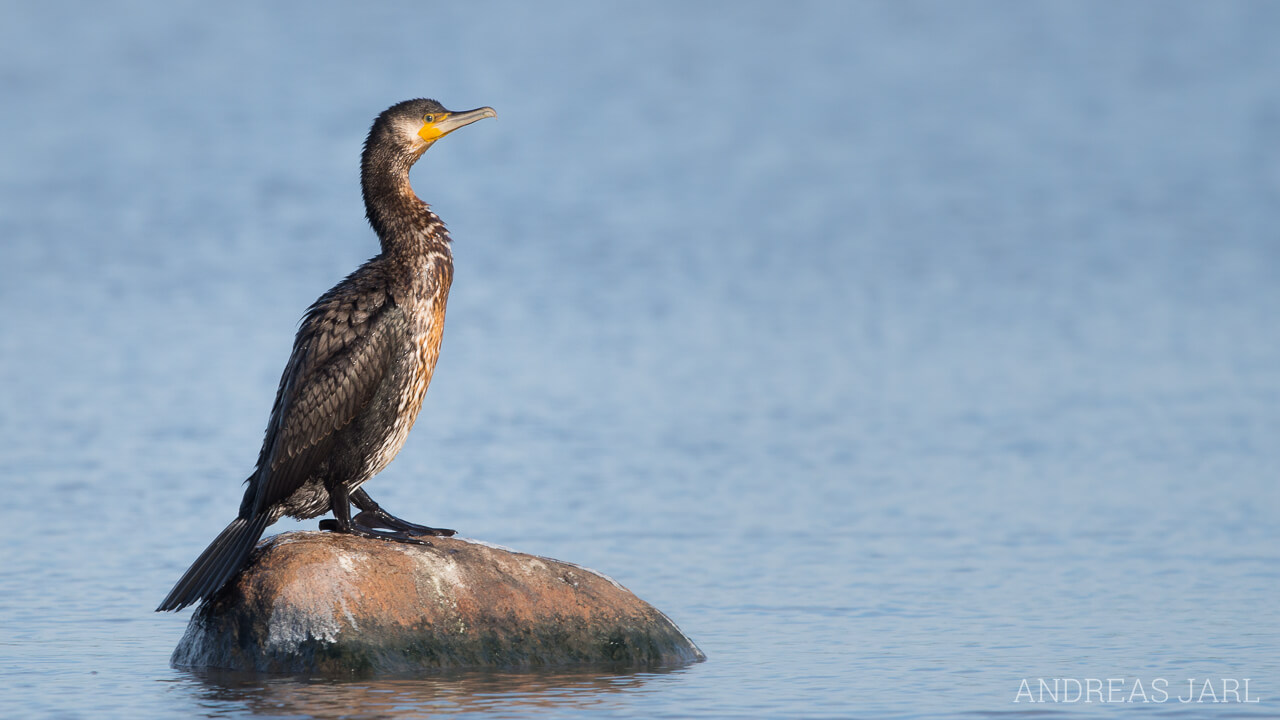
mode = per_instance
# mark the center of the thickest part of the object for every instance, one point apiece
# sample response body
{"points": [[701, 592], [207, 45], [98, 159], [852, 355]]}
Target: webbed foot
{"points": [[373, 516], [354, 527]]}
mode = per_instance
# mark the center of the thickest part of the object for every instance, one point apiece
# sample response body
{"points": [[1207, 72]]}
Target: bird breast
{"points": [[427, 323]]}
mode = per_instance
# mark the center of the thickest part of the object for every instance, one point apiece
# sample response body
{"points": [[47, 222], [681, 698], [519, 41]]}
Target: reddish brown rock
{"points": [[337, 604]]}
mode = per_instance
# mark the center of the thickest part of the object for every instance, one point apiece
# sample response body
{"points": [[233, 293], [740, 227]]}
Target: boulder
{"points": [[328, 603]]}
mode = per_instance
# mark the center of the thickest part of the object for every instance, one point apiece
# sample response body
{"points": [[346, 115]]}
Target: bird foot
{"points": [[364, 531], [385, 520]]}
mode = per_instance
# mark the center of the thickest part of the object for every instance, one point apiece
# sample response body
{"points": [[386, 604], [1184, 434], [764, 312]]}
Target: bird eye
{"points": [[428, 118]]}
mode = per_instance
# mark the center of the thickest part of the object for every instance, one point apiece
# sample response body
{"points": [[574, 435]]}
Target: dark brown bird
{"points": [[360, 365]]}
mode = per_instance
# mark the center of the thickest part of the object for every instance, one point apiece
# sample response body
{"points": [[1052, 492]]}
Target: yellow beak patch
{"points": [[429, 131]]}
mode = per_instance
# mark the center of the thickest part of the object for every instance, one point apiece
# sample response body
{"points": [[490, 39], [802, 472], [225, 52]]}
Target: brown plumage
{"points": [[361, 364]]}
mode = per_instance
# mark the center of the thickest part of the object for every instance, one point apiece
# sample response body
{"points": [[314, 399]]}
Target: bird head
{"points": [[414, 125]]}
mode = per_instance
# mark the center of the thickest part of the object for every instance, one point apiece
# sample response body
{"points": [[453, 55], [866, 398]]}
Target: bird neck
{"points": [[404, 223]]}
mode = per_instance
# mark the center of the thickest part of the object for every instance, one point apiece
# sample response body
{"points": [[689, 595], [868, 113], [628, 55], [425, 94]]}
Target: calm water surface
{"points": [[899, 352]]}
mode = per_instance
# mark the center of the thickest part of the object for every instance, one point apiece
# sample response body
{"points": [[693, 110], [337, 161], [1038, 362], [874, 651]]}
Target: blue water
{"points": [[900, 352]]}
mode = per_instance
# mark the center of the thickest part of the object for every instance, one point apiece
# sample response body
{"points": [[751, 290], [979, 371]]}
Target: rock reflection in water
{"points": [[491, 693]]}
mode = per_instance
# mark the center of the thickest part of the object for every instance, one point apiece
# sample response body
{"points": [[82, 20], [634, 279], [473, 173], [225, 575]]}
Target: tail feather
{"points": [[217, 564]]}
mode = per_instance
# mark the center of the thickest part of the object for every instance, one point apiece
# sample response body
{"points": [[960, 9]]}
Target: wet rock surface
{"points": [[336, 604]]}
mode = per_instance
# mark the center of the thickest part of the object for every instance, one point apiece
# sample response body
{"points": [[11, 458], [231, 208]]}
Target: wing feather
{"points": [[344, 349]]}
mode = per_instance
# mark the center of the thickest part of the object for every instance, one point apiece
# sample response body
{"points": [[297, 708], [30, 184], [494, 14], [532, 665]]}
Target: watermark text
{"points": [[1135, 690]]}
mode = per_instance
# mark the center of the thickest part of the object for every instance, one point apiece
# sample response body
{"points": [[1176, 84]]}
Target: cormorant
{"points": [[361, 363]]}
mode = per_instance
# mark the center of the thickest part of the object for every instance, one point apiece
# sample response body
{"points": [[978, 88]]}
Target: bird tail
{"points": [[217, 564]]}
